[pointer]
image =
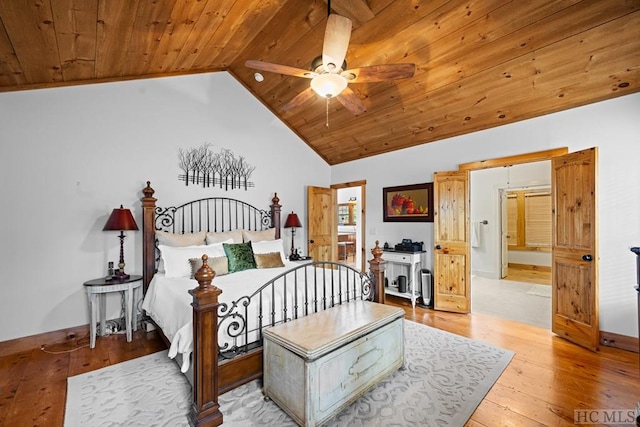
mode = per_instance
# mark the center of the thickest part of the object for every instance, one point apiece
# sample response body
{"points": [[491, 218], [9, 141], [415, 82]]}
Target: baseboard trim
{"points": [[622, 342], [31, 342], [545, 268]]}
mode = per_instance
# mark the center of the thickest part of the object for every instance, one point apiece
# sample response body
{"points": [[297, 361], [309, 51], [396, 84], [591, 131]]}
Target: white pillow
{"points": [[258, 236], [223, 236], [269, 246], [176, 259], [178, 239]]}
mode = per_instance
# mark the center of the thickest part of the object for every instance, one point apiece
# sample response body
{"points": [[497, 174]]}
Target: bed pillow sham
{"points": [[176, 259], [258, 236], [270, 260], [218, 264], [223, 236], [240, 256]]}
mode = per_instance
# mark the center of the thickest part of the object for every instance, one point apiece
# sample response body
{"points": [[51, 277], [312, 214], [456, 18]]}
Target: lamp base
{"points": [[120, 275]]}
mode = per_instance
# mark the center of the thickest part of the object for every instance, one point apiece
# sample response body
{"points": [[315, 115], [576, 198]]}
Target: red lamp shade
{"points": [[120, 219], [292, 221]]}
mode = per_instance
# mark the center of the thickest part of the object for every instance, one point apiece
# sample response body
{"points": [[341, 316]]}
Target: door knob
{"points": [[311, 241], [587, 257], [438, 247]]}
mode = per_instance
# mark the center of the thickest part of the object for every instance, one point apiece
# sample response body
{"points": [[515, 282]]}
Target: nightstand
{"points": [[96, 292]]}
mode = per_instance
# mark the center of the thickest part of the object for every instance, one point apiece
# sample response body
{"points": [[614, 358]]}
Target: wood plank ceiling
{"points": [[479, 63]]}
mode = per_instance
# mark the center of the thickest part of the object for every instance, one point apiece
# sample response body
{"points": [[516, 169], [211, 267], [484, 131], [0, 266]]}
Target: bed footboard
{"points": [[209, 379]]}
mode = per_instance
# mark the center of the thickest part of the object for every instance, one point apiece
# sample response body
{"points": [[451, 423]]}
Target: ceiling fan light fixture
{"points": [[328, 85]]}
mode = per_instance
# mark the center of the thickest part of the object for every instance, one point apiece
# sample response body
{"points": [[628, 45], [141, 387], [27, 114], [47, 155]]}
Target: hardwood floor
{"points": [[33, 384], [545, 382], [529, 274]]}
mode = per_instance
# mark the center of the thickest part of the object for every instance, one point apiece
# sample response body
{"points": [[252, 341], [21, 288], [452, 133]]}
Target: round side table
{"points": [[96, 291]]}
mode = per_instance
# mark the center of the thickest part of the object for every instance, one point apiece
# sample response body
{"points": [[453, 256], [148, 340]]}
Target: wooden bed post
{"points": [[148, 236], [275, 214], [205, 410], [377, 266]]}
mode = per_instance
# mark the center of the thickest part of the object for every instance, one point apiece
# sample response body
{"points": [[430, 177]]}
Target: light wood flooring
{"points": [[545, 382], [529, 274]]}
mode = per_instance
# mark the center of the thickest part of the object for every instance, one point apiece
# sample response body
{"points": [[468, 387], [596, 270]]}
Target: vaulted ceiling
{"points": [[479, 63]]}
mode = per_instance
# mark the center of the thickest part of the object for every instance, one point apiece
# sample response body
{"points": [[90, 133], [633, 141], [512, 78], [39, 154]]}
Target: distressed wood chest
{"points": [[316, 365]]}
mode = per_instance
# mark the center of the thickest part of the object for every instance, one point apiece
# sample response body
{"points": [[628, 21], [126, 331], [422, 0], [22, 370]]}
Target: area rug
{"points": [[444, 379]]}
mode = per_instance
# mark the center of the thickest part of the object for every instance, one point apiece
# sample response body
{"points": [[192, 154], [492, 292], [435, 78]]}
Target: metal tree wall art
{"points": [[202, 166]]}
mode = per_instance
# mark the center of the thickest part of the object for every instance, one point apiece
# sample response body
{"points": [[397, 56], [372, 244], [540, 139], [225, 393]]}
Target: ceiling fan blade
{"points": [[351, 102], [299, 99], [336, 41], [379, 73], [280, 69]]}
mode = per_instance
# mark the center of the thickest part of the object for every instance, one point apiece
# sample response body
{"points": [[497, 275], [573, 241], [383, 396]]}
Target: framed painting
{"points": [[408, 203]]}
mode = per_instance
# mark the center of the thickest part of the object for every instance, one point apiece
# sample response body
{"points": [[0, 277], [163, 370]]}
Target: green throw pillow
{"points": [[240, 256]]}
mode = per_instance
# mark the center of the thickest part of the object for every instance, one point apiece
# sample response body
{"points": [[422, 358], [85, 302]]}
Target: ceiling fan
{"points": [[329, 74]]}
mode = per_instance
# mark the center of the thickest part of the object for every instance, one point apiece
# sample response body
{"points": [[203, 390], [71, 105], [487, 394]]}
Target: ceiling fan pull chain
{"points": [[327, 124]]}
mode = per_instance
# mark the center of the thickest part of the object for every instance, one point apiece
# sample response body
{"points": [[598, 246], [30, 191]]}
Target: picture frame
{"points": [[408, 203]]}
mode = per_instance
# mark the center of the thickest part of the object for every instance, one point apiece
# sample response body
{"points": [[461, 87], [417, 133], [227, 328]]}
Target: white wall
{"points": [[611, 125], [71, 155]]}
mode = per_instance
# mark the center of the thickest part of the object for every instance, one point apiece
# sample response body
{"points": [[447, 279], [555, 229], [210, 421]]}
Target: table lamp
{"points": [[120, 220], [292, 222]]}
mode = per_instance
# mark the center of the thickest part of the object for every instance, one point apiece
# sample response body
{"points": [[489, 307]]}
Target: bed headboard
{"points": [[213, 214]]}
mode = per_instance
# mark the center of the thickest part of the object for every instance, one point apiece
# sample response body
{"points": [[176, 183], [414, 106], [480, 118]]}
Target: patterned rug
{"points": [[445, 378]]}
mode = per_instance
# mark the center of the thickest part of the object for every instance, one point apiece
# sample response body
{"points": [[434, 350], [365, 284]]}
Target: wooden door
{"points": [[575, 258], [452, 284], [322, 218]]}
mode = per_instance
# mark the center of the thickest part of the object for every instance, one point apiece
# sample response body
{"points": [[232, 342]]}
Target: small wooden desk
{"points": [[411, 261], [317, 365], [96, 290]]}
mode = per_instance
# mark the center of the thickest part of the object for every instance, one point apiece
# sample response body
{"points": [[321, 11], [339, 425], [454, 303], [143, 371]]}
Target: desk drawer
{"points": [[397, 257]]}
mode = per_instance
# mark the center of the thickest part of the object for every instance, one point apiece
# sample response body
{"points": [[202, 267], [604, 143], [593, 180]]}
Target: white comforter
{"points": [[168, 302]]}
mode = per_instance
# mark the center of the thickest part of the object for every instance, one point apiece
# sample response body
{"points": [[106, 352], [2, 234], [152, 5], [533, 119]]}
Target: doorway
{"points": [[574, 253], [350, 223], [511, 242]]}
